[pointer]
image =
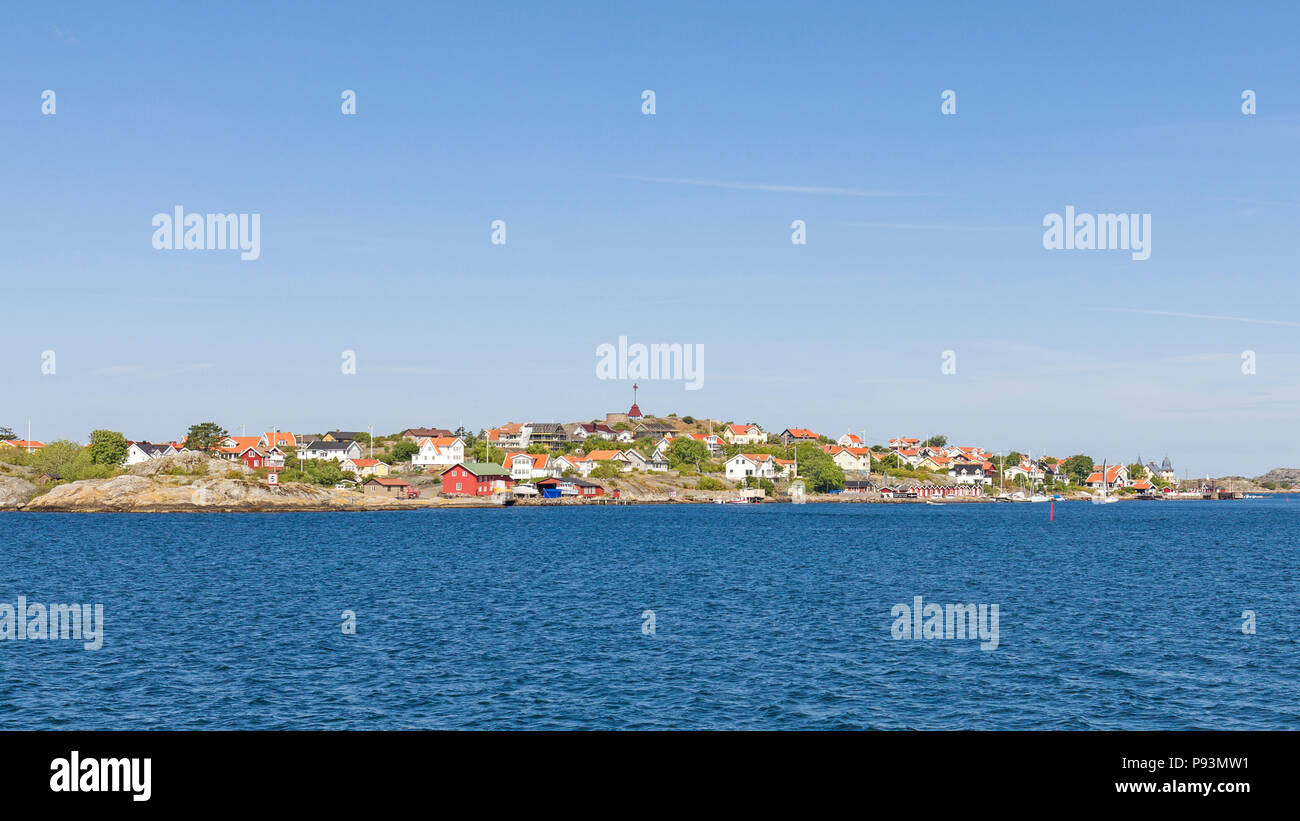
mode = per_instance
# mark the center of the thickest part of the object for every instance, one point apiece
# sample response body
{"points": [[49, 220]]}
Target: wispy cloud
{"points": [[64, 35], [1182, 315], [825, 190]]}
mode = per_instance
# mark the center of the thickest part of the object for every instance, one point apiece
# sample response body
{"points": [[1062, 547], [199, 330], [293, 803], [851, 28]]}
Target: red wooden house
{"points": [[476, 479]]}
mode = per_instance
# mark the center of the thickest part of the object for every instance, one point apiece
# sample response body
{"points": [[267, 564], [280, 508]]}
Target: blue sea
{"points": [[1127, 616]]}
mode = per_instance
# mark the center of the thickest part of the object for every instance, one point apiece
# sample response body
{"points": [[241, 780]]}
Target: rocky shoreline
{"points": [[196, 483]]}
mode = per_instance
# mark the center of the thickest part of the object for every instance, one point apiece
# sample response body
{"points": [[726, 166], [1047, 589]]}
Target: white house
{"points": [[1116, 476], [278, 439], [662, 446], [762, 465], [510, 436], [526, 466], [911, 456], [338, 451], [969, 473], [586, 464], [743, 465], [852, 458], [581, 430], [850, 440], [711, 440], [656, 462], [440, 451], [1030, 471], [137, 452], [564, 462]]}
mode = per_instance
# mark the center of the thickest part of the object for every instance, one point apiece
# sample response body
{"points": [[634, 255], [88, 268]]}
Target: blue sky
{"points": [[924, 230]]}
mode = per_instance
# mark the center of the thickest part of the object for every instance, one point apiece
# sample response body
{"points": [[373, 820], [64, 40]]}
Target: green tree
{"points": [[6, 434], [598, 443], [403, 450], [1136, 471], [935, 442], [1078, 467], [608, 469], [316, 472], [818, 470], [891, 462], [485, 452], [60, 459], [687, 451], [204, 435], [537, 447], [709, 483], [69, 461], [107, 447]]}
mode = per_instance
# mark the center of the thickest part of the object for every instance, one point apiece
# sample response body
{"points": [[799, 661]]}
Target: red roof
{"points": [[1112, 474], [539, 459]]}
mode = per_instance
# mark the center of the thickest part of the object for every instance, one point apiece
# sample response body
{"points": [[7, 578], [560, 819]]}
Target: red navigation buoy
{"points": [[1051, 511]]}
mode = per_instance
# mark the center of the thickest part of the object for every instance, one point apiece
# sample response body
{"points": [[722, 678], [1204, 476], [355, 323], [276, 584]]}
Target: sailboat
{"points": [[1038, 495], [1104, 498]]}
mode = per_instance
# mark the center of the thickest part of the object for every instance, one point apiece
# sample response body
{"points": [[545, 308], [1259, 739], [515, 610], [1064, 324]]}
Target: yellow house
{"points": [[365, 467]]}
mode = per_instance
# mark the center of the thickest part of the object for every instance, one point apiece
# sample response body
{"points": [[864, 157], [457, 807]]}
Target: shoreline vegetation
{"points": [[696, 467]]}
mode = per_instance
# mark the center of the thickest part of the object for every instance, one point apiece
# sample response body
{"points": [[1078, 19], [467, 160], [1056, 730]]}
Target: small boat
{"points": [[936, 504], [1104, 498]]}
